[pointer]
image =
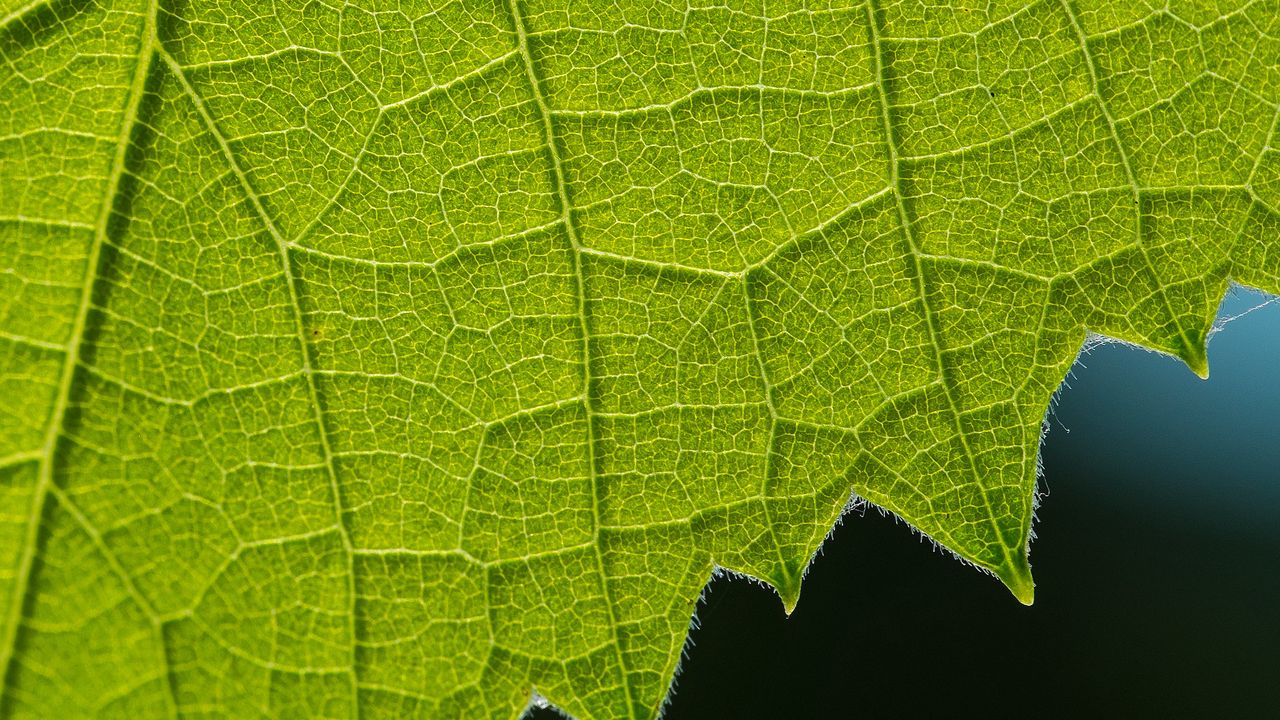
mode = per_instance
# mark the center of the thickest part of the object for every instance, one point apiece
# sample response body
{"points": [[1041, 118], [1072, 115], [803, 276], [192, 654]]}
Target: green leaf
{"points": [[399, 360]]}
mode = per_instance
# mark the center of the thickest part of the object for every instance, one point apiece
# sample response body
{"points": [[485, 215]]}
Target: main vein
{"points": [[75, 340]]}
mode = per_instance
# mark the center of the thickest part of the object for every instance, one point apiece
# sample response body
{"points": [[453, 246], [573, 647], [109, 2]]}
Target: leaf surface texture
{"points": [[399, 358]]}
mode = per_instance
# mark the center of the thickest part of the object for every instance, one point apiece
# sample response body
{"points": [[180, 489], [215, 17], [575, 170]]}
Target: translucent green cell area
{"points": [[405, 360]]}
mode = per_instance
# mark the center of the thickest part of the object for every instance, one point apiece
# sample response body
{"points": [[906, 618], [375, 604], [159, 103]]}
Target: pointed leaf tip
{"points": [[1197, 358], [1016, 575], [788, 591], [1200, 367]]}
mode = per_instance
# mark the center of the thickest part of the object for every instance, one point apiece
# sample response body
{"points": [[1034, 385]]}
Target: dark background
{"points": [[1157, 570]]}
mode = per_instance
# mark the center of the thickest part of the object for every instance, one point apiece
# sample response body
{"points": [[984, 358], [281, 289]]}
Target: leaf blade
{"points": [[440, 356]]}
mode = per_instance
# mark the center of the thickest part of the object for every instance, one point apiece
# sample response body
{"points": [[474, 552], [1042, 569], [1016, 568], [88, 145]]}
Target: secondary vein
{"points": [[571, 231], [935, 339], [308, 371]]}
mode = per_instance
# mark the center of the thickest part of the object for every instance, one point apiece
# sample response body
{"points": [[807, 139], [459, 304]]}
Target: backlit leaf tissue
{"points": [[403, 357]]}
